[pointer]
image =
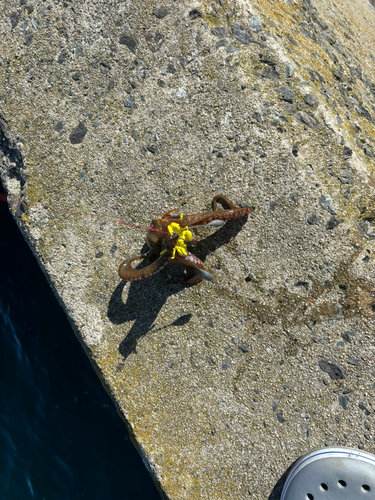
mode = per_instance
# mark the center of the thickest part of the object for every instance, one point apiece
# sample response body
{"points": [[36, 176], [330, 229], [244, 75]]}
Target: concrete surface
{"points": [[118, 111]]}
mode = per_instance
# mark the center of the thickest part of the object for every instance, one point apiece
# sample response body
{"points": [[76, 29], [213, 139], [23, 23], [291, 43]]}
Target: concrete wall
{"points": [[119, 111]]}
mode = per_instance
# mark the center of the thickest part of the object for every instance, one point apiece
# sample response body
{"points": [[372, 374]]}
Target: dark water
{"points": [[60, 435]]}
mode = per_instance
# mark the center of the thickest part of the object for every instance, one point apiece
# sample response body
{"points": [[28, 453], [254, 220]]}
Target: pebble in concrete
{"points": [[326, 203], [255, 24]]}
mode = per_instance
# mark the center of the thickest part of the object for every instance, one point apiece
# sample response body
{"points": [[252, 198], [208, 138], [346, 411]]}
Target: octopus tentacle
{"points": [[165, 215], [192, 261], [221, 197], [205, 218], [128, 273]]}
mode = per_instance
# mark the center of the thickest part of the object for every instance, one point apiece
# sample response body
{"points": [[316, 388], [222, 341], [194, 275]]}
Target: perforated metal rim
{"points": [[328, 455]]}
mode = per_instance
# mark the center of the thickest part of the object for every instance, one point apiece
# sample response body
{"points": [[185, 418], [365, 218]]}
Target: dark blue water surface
{"points": [[60, 435]]}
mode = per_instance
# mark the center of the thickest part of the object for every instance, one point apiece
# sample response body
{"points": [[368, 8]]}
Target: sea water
{"points": [[60, 435]]}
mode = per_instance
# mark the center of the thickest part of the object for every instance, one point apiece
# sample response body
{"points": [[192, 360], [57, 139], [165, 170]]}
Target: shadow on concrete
{"points": [[278, 488], [145, 300], [147, 297]]}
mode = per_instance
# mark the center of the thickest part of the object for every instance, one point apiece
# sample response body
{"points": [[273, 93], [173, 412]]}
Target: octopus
{"points": [[170, 242]]}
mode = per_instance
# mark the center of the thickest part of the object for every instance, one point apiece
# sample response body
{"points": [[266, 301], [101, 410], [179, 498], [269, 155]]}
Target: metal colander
{"points": [[332, 473]]}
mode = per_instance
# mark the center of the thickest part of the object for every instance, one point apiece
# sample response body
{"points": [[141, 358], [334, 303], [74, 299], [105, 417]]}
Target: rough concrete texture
{"points": [[122, 110]]}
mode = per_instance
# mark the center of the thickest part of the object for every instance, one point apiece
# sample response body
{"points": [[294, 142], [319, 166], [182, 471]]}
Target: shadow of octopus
{"points": [[147, 297]]}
